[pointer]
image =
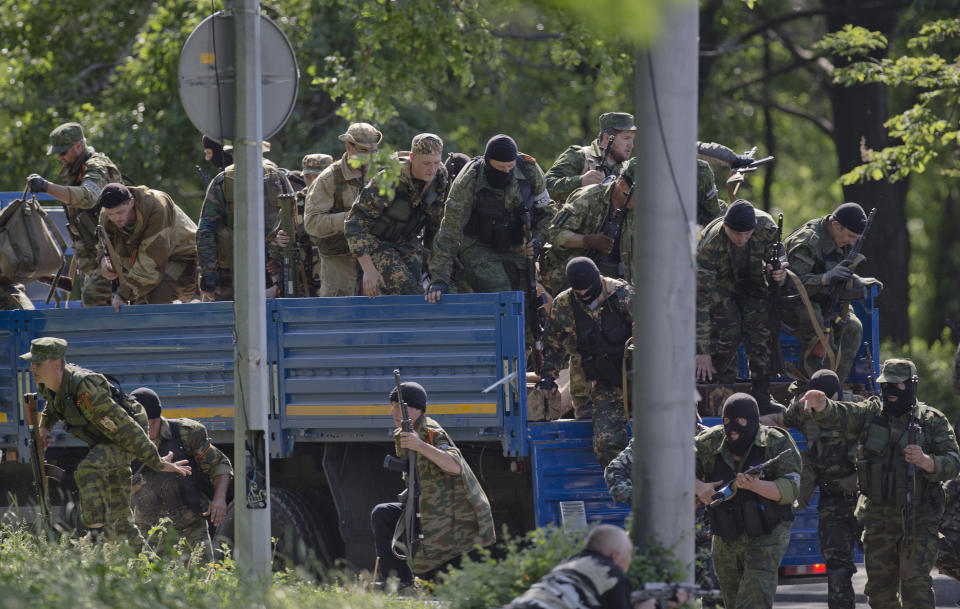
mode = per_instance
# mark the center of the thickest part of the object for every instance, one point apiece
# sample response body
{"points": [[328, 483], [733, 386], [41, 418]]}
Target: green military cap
{"points": [[64, 136], [617, 121], [426, 143], [48, 347], [316, 163], [897, 371], [362, 134]]}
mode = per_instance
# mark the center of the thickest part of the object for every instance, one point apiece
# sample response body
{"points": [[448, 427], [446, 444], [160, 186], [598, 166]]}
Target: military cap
{"points": [[852, 217], [617, 121], [316, 163], [426, 143], [414, 395], [64, 136], [897, 371], [43, 349], [362, 134]]}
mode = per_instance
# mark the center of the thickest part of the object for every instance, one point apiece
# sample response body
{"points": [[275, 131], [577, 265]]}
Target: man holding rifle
{"points": [[906, 449], [454, 511]]}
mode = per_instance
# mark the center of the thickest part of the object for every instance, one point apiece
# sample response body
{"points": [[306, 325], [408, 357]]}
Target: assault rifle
{"points": [[909, 507], [293, 279], [728, 490], [872, 388], [532, 301], [603, 152], [664, 592], [203, 175], [612, 228], [840, 294], [111, 254], [775, 257], [42, 471], [737, 176], [409, 524]]}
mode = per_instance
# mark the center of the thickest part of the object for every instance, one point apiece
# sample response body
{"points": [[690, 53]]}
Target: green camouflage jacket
{"points": [[723, 269], [831, 453], [584, 213], [215, 229], [564, 177], [936, 437], [454, 511], [708, 203], [811, 252], [87, 409], [785, 473], [619, 475], [193, 436], [371, 205], [161, 243], [460, 206], [84, 181], [560, 334]]}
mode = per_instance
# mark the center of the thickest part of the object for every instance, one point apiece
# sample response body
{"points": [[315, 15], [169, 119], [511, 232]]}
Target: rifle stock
{"points": [[111, 253], [775, 257]]}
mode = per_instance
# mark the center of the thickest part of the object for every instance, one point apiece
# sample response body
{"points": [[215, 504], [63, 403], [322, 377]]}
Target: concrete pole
{"points": [[665, 280], [251, 457]]}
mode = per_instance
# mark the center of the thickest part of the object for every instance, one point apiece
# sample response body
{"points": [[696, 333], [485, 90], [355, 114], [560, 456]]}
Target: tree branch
{"points": [[821, 123]]}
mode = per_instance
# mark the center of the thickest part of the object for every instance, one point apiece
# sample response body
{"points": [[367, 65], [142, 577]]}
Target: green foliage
{"points": [[934, 368], [852, 41], [39, 574]]}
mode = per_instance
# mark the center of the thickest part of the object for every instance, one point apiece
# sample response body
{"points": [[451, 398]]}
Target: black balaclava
{"points": [[221, 158], [499, 148], [582, 274], [826, 381], [150, 401], [455, 162], [736, 406], [906, 397]]}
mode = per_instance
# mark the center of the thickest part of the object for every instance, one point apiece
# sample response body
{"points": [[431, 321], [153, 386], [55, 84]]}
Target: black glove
{"points": [[208, 281], [867, 282], [438, 286], [537, 246], [546, 383], [742, 160], [36, 183], [840, 272]]}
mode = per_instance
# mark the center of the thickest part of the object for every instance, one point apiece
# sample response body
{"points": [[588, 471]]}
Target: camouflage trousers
{"points": [[187, 525], [893, 581], [553, 268], [838, 531], [96, 290], [12, 297], [399, 268], [747, 567], [740, 318], [848, 335], [609, 424], [579, 390], [485, 270], [948, 554], [103, 480], [338, 275], [704, 573]]}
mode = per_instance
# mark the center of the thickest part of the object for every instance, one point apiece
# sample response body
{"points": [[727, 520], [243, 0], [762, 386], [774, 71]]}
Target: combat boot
{"points": [[760, 389]]}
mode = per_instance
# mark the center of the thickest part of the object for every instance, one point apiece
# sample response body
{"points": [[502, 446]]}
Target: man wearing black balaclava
{"points": [[901, 439], [592, 320], [830, 462], [751, 526], [491, 203], [732, 299]]}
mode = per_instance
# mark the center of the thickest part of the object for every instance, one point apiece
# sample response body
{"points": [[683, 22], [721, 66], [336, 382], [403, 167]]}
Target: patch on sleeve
{"points": [[561, 218], [527, 158], [108, 424], [93, 187], [543, 199], [85, 400]]}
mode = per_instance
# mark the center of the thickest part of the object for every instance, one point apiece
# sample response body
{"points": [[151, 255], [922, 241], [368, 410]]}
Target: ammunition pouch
{"points": [[491, 223], [747, 513], [401, 221]]}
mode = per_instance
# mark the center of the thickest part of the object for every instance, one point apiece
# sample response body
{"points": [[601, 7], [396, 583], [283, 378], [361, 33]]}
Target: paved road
{"points": [[807, 595]]}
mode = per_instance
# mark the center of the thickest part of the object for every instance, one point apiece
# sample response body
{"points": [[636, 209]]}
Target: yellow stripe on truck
{"points": [[344, 410]]}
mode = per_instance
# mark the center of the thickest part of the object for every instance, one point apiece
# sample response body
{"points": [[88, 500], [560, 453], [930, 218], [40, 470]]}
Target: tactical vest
{"points": [[490, 221], [274, 185], [600, 345], [881, 468], [402, 220], [831, 453], [78, 425], [336, 245], [746, 512], [162, 493], [82, 223]]}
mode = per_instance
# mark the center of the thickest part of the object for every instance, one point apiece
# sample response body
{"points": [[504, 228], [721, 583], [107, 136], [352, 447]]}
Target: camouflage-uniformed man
{"points": [[829, 462], [454, 511], [215, 229], [313, 165], [814, 252], [732, 298], [384, 232], [185, 501], [593, 319], [84, 172], [155, 242], [114, 428], [483, 221], [948, 552], [896, 569], [329, 199], [13, 296], [751, 530], [709, 205], [585, 165]]}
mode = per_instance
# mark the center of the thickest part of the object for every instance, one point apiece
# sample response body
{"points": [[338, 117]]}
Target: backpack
{"points": [[31, 246]]}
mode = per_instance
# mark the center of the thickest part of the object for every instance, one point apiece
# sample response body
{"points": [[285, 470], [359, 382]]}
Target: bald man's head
{"points": [[612, 542]]}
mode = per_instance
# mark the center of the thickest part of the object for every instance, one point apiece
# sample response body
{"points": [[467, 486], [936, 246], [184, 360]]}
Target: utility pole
{"points": [[664, 309], [251, 456]]}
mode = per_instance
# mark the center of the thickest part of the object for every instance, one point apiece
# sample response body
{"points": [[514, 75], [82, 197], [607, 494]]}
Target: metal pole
{"points": [[665, 280], [252, 459]]}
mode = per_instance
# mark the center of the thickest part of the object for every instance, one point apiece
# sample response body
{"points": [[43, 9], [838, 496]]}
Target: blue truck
{"points": [[330, 367]]}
